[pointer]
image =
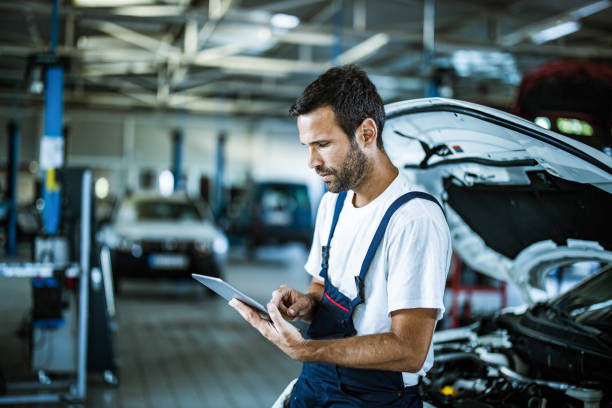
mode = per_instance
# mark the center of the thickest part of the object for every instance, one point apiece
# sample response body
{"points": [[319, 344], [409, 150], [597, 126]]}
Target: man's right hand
{"points": [[295, 305]]}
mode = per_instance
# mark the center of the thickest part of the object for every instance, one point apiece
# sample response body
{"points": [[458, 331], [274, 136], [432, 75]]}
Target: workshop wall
{"points": [[120, 145]]}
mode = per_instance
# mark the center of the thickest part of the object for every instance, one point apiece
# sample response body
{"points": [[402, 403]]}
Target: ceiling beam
{"points": [[286, 5], [364, 49], [576, 14], [140, 40], [325, 13], [183, 102]]}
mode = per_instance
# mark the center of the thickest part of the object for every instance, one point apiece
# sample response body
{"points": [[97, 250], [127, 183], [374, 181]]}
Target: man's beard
{"points": [[352, 172]]}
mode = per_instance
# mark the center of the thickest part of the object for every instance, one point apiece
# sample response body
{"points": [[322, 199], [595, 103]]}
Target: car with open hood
{"points": [[521, 201], [156, 236]]}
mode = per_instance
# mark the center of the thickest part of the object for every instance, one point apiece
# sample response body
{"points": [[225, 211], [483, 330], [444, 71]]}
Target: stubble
{"points": [[353, 171]]}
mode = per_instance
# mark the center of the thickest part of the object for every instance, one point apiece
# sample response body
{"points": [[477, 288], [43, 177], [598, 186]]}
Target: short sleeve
{"points": [[418, 258]]}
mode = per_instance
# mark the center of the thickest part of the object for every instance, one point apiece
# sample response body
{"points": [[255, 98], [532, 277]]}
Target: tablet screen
{"points": [[227, 291]]}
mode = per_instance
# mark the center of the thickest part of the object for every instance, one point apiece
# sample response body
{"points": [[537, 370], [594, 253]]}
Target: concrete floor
{"points": [[176, 345]]}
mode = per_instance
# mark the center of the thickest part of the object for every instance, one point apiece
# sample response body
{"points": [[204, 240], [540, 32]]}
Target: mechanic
{"points": [[379, 259]]}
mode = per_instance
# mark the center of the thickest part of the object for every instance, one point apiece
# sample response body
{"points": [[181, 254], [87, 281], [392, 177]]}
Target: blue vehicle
{"points": [[273, 213]]}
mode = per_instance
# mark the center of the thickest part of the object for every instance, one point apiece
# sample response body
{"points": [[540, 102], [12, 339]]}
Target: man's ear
{"points": [[367, 132]]}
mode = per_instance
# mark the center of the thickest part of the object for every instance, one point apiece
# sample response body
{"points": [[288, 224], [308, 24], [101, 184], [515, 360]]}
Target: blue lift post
{"points": [[52, 133], [337, 47], [219, 173], [13, 162], [177, 159], [429, 27], [52, 148]]}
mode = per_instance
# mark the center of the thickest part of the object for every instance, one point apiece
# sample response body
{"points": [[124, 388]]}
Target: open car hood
{"points": [[519, 199]]}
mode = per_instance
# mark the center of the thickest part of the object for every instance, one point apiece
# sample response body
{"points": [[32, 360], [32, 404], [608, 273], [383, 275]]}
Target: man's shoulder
{"points": [[418, 208], [403, 186]]}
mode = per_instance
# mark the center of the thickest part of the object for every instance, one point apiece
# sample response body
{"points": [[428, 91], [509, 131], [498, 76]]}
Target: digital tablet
{"points": [[227, 291]]}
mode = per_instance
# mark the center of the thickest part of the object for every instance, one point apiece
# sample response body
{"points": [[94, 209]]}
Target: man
{"points": [[379, 259]]}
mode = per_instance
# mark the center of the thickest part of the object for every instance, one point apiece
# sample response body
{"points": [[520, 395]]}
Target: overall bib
{"points": [[327, 385]]}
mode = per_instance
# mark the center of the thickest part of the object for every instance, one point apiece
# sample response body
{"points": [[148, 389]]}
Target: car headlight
{"points": [[203, 246], [220, 245]]}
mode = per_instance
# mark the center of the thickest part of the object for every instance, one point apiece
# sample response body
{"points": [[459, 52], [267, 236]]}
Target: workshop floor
{"points": [[177, 346]]}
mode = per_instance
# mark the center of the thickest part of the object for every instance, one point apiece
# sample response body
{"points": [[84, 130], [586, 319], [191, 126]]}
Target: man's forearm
{"points": [[384, 351], [404, 348]]}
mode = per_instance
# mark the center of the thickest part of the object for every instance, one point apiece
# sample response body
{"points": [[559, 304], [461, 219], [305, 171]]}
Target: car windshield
{"points": [[159, 210], [590, 302]]}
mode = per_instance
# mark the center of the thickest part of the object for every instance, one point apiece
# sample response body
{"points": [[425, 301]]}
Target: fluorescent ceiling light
{"points": [[287, 21], [150, 11], [566, 21], [590, 9], [110, 3], [554, 32]]}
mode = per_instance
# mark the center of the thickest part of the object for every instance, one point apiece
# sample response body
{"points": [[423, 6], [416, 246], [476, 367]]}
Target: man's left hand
{"points": [[280, 332]]}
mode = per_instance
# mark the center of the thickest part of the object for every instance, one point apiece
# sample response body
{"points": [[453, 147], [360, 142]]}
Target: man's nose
{"points": [[314, 159]]}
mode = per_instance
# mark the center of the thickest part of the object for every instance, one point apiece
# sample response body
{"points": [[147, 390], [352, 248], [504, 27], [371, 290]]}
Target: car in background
{"points": [[572, 97], [153, 236], [29, 221], [522, 203], [272, 213]]}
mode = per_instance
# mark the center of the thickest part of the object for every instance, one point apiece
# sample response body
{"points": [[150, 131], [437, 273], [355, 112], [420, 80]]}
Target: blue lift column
{"points": [[219, 174], [52, 144], [338, 21], [177, 159], [429, 28], [13, 161]]}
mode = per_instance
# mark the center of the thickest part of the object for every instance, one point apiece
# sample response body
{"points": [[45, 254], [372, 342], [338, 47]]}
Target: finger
{"points": [[300, 308], [281, 326], [279, 294], [246, 312], [291, 305], [275, 315], [278, 298]]}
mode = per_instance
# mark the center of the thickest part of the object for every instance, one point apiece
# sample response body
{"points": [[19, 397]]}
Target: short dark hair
{"points": [[350, 94]]}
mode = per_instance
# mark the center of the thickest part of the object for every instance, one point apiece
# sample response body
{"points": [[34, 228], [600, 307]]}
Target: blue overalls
{"points": [[328, 385]]}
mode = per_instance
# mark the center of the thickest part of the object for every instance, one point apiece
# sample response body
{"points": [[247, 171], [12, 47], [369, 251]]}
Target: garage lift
{"points": [[73, 390]]}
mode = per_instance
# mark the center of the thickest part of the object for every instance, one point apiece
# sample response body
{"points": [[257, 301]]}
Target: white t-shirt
{"points": [[409, 268]]}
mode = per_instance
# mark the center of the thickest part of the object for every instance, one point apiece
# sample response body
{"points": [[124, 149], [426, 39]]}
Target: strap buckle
{"points": [[324, 256], [360, 288]]}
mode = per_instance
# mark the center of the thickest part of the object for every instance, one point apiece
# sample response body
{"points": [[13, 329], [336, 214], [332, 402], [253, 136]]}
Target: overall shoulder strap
{"points": [[379, 234], [325, 248]]}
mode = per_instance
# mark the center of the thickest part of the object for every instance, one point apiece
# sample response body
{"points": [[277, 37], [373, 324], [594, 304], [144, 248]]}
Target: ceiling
{"points": [[239, 57]]}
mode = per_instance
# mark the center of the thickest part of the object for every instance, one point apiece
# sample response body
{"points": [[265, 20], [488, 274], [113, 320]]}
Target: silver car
{"points": [[152, 236]]}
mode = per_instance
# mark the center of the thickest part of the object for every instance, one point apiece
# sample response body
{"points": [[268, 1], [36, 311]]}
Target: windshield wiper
{"points": [[566, 318]]}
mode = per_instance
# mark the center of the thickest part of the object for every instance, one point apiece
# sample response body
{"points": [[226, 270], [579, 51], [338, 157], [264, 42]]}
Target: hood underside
{"points": [[511, 218], [510, 188]]}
